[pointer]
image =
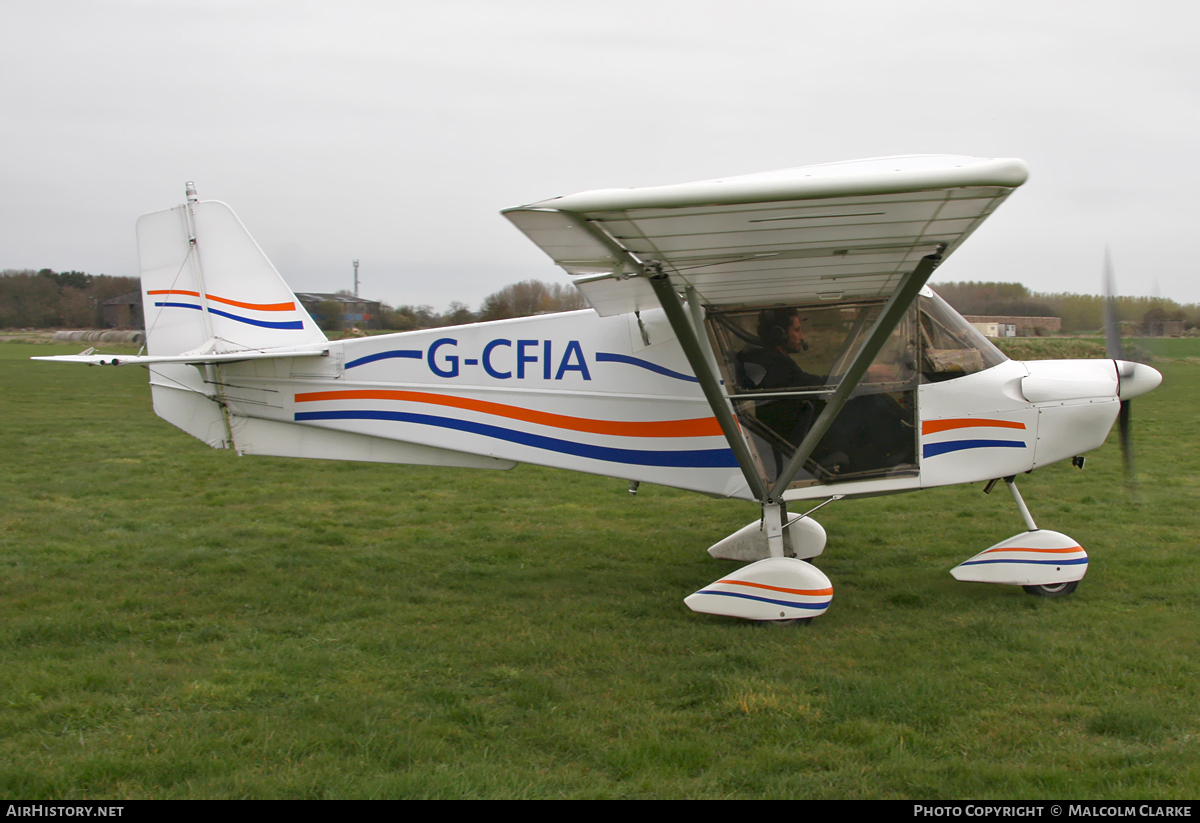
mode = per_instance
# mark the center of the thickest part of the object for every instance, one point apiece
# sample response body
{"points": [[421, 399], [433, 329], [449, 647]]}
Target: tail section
{"points": [[207, 285], [207, 288]]}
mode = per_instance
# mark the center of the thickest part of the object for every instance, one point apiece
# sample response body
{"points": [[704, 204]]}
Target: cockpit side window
{"points": [[950, 346], [781, 363]]}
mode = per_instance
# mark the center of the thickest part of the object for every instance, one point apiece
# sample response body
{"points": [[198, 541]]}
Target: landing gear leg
{"points": [[774, 516], [1011, 482], [1051, 590]]}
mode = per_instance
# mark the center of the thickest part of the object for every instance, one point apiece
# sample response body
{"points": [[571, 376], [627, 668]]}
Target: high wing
{"points": [[841, 231], [828, 232]]}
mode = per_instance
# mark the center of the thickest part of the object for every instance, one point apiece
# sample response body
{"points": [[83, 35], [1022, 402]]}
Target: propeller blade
{"points": [[1112, 329], [1112, 339], [1127, 442]]}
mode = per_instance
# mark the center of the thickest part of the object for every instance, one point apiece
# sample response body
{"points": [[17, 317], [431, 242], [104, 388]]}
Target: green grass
{"points": [[1144, 349], [179, 622], [1173, 348], [1075, 348], [1049, 348]]}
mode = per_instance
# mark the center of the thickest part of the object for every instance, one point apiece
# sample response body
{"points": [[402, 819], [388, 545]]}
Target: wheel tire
{"points": [[794, 621], [1054, 590]]}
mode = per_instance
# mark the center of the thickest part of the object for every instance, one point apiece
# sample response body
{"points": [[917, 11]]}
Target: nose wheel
{"points": [[1042, 562], [1053, 590]]}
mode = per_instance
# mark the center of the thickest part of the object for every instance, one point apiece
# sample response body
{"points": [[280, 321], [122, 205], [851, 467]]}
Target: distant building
{"points": [[123, 311], [365, 314], [1162, 328], [997, 329], [1026, 326]]}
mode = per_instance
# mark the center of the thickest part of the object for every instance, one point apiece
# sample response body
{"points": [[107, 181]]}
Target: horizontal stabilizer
{"points": [[187, 359]]}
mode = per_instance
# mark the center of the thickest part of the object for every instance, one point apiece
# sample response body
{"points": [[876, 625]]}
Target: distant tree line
{"points": [[49, 299], [73, 299], [522, 299], [1079, 312]]}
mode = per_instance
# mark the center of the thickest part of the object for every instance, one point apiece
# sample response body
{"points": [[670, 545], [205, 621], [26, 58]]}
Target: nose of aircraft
{"points": [[1135, 379]]}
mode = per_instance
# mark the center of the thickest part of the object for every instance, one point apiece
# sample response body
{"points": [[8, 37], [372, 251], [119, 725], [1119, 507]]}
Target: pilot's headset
{"points": [[772, 328]]}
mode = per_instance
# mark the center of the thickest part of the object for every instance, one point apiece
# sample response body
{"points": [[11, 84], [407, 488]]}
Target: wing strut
{"points": [[701, 367], [910, 285]]}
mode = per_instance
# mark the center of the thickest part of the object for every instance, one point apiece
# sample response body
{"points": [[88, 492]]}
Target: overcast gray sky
{"points": [[394, 132]]}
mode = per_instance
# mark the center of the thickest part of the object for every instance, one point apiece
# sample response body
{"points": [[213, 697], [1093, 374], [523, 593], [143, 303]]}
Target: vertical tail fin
{"points": [[207, 284], [208, 288]]}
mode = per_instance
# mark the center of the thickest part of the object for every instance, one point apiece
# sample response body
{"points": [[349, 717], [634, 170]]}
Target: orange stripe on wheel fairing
{"points": [[695, 427], [810, 592], [1042, 551]]}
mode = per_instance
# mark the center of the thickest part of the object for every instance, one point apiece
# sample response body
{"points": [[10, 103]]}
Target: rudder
{"points": [[207, 287], [206, 283]]}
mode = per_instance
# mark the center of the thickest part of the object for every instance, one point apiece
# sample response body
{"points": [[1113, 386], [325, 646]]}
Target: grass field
{"points": [[1147, 349], [1171, 347], [179, 622]]}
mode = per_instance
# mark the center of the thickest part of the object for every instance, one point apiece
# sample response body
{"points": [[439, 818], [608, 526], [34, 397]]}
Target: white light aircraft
{"points": [[767, 337]]}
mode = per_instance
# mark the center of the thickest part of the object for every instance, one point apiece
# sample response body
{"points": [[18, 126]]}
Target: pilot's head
{"points": [[782, 330]]}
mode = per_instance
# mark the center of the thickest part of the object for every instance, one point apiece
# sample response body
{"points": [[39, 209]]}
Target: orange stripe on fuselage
{"points": [[695, 427], [935, 426], [812, 592], [228, 302]]}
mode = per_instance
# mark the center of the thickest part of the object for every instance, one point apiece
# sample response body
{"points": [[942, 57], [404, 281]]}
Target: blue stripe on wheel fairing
{"points": [[794, 604], [1078, 562], [690, 459]]}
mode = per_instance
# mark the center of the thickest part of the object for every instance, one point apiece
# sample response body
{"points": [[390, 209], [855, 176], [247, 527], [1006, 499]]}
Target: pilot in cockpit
{"points": [[865, 435], [771, 367]]}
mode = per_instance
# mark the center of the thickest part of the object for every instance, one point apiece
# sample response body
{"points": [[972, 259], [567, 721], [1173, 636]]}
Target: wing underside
{"points": [[822, 233]]}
